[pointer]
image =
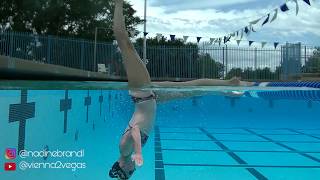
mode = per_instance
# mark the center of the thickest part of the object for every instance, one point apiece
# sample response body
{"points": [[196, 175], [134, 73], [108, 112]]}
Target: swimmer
{"points": [[141, 124]]}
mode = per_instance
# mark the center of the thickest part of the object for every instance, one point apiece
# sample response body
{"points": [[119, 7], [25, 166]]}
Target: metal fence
{"points": [[167, 63]]}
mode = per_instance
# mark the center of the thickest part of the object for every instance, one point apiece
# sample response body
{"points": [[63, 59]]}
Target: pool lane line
{"points": [[253, 171], [242, 166], [236, 151], [285, 146], [310, 135], [280, 134], [205, 140], [159, 167], [229, 128]]}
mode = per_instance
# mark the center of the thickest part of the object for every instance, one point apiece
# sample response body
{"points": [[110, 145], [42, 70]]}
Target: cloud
{"points": [[187, 18], [179, 5]]}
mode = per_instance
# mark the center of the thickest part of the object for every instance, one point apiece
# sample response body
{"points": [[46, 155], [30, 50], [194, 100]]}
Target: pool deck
{"points": [[14, 68]]}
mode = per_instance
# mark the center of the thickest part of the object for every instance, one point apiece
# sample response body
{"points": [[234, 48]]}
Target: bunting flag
{"points": [[267, 20], [297, 6], [220, 39], [252, 29], [198, 39], [276, 45], [185, 38], [228, 38], [250, 43], [284, 7], [159, 36], [237, 33], [263, 44], [255, 21], [307, 1], [246, 30], [238, 42], [241, 34], [145, 33], [172, 37], [212, 40], [275, 15]]}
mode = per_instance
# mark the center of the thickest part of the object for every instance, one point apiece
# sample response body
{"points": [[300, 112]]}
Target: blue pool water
{"points": [[263, 135]]}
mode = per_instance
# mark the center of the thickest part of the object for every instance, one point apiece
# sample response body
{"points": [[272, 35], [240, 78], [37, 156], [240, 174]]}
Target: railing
{"points": [[167, 63]]}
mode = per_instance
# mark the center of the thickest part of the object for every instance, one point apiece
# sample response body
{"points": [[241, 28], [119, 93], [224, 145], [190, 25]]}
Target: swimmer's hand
{"points": [[234, 94], [138, 159]]}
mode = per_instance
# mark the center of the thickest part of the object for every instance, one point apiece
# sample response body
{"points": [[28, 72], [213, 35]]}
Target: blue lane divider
{"points": [[313, 95], [297, 95], [309, 84]]}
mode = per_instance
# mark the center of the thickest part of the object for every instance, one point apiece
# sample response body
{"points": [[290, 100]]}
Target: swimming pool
{"points": [[266, 134]]}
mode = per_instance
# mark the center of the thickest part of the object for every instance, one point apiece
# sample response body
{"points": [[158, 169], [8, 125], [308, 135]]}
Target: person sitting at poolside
{"points": [[136, 134]]}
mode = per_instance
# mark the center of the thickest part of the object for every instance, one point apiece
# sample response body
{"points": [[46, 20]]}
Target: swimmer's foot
{"points": [[235, 81], [122, 170]]}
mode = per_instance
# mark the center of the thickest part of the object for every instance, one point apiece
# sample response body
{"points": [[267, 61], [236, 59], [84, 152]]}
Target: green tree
{"points": [[313, 63], [258, 74], [176, 59], [72, 18]]}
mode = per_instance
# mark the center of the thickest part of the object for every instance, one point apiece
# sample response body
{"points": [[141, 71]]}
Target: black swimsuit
{"points": [[142, 99]]}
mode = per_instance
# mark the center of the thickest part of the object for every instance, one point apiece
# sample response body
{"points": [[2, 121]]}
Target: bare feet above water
{"points": [[236, 81]]}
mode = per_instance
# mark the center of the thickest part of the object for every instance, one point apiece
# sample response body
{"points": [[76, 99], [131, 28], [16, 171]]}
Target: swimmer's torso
{"points": [[144, 113]]}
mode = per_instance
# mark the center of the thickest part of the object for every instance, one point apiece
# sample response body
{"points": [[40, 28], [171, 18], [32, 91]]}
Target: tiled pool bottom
{"points": [[236, 153]]}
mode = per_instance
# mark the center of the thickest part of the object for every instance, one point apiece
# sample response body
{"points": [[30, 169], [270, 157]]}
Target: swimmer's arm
{"points": [[137, 156], [136, 140]]}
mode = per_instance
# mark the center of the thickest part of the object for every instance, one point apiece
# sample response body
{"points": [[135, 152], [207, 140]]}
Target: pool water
{"points": [[270, 136]]}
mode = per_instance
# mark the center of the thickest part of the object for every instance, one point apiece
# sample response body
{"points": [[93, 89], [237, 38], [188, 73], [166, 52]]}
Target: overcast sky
{"points": [[212, 18]]}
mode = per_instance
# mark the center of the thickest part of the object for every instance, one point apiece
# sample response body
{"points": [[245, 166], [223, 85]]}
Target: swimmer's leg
{"points": [[137, 73]]}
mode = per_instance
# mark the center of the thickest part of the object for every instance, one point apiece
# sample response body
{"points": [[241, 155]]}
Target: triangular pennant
{"points": [[307, 1], [250, 43], [198, 39], [238, 42], [255, 21], [172, 37], [229, 38], [263, 44], [211, 40], [267, 20], [253, 29], [237, 33], [241, 34], [220, 39], [246, 30], [159, 36], [284, 7], [226, 39], [145, 33], [185, 38], [297, 6], [275, 15], [276, 45]]}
